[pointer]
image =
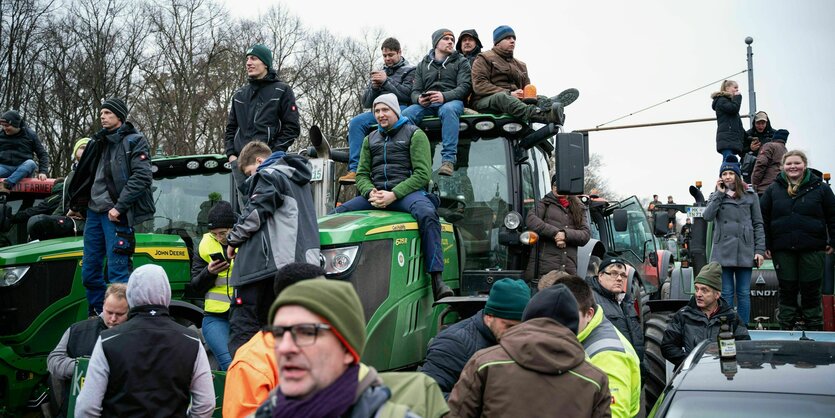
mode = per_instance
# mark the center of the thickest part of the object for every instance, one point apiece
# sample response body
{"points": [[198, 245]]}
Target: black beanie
{"points": [[117, 106], [12, 118], [221, 215], [555, 302]]}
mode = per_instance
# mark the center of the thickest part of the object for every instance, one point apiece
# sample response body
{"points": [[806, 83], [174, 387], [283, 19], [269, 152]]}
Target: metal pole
{"points": [[752, 95], [647, 125]]}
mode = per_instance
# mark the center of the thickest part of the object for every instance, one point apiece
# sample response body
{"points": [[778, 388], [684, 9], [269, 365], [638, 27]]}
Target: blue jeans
{"points": [[14, 174], [449, 113], [99, 238], [737, 281], [426, 214], [357, 131], [216, 334]]}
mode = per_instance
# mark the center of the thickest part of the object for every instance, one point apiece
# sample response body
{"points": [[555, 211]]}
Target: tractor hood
{"points": [[157, 246], [366, 225]]}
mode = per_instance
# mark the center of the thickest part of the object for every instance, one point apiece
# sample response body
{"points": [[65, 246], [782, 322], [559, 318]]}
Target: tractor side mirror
{"points": [[619, 219], [661, 225], [570, 159]]}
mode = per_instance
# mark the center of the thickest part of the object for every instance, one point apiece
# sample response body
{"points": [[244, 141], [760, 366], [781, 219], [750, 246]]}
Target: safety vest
{"points": [[219, 296]]}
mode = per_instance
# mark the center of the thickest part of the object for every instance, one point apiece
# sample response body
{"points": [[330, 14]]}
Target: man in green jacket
{"points": [[607, 349], [394, 171]]}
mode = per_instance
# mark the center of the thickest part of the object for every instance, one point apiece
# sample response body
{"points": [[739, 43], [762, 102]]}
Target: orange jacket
{"points": [[251, 376]]}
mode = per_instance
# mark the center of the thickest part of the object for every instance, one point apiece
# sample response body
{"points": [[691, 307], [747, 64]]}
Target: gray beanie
{"points": [[440, 33], [390, 100], [148, 285]]}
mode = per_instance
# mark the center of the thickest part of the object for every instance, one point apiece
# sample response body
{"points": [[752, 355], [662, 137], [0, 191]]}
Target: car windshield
{"points": [[687, 404]]}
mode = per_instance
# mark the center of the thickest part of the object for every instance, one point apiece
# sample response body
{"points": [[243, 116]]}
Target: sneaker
{"points": [[349, 178], [446, 169], [566, 97]]}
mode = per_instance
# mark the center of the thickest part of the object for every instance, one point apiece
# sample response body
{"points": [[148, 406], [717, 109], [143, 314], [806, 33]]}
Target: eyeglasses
{"points": [[303, 334], [621, 275]]}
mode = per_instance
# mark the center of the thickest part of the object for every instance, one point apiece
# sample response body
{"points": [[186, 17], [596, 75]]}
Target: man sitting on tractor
{"points": [[394, 171]]}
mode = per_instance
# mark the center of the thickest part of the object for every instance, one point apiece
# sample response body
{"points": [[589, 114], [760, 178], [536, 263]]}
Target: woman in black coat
{"points": [[729, 130], [799, 215]]}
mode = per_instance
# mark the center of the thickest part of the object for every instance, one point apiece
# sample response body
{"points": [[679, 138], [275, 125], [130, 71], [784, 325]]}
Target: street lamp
{"points": [[752, 95]]}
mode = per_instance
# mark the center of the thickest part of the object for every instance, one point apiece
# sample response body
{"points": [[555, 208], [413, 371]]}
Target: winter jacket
{"points": [[729, 130], [78, 341], [690, 326], [611, 352], [397, 160], [278, 225], [737, 228], [767, 166], [495, 71], [399, 80], [547, 219], [130, 173], [802, 222], [265, 110], [622, 315], [450, 350], [24, 145], [250, 377], [451, 77], [537, 366]]}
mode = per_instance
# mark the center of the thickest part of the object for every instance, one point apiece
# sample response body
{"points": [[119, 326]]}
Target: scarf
{"points": [[793, 188], [563, 201], [330, 402]]}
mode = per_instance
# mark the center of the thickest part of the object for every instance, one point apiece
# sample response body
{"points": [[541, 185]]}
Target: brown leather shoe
{"points": [[446, 169], [349, 178]]}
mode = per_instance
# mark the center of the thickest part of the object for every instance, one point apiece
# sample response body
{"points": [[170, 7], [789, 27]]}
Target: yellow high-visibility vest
{"points": [[218, 297]]}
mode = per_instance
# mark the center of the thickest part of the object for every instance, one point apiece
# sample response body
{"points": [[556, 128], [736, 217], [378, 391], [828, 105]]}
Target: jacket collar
{"points": [[149, 311], [595, 321]]}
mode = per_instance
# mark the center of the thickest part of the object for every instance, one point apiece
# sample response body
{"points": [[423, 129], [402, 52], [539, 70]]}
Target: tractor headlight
{"points": [[339, 260], [512, 220], [9, 276]]}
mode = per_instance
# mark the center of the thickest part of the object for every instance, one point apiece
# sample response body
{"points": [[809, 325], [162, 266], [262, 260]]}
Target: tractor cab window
{"points": [[632, 242]]}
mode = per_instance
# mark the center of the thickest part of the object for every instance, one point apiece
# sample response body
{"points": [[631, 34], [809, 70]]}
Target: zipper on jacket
{"points": [[385, 163]]}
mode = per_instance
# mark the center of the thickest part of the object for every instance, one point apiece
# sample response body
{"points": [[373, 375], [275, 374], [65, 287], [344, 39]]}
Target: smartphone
{"points": [[425, 94], [217, 257]]}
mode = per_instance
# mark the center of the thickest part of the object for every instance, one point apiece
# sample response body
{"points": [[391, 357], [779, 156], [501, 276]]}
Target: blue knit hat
{"points": [[731, 163], [781, 135], [508, 298], [502, 32]]}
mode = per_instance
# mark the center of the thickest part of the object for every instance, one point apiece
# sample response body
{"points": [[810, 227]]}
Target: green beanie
{"points": [[508, 298], [78, 144], [711, 275], [262, 53], [336, 302]]}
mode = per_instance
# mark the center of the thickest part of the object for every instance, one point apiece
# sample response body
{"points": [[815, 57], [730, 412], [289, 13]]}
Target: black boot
{"points": [[566, 97], [439, 289]]}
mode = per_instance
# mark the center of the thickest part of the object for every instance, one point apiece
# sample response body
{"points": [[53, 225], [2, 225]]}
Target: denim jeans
{"points": [[736, 281], [357, 131], [14, 174], [216, 334], [99, 238], [449, 113], [426, 214]]}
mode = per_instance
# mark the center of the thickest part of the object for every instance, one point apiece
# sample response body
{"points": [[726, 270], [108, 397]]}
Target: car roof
{"points": [[800, 367]]}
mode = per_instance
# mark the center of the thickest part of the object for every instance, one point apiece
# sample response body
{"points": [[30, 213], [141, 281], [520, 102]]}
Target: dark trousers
{"points": [[800, 272], [248, 313]]}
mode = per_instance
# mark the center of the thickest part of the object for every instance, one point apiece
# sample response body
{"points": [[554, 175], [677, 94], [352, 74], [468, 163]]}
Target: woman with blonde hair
{"points": [[799, 215], [729, 130]]}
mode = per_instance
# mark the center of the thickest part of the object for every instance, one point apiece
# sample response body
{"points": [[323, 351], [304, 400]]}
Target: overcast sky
{"points": [[624, 56]]}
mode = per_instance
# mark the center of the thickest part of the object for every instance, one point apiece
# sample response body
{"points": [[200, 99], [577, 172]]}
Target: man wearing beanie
{"points": [[393, 174], [396, 77], [537, 366], [701, 318], [112, 191], [442, 83], [453, 347], [767, 166], [262, 110], [499, 80], [18, 146], [150, 362], [210, 273], [319, 337]]}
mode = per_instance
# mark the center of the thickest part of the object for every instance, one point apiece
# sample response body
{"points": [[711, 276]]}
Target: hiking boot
{"points": [[349, 178], [446, 169], [556, 114], [566, 97], [439, 289]]}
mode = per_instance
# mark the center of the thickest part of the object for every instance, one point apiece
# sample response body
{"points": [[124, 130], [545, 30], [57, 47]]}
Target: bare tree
{"points": [[595, 183]]}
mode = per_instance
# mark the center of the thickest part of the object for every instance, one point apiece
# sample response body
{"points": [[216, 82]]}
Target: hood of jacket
{"points": [[148, 285], [393, 69], [768, 131], [543, 345], [114, 137], [296, 167], [430, 58], [393, 130]]}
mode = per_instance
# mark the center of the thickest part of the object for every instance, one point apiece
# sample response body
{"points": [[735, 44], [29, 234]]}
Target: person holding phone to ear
{"points": [[738, 234], [210, 273]]}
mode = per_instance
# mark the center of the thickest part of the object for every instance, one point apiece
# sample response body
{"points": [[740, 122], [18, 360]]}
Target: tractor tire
{"points": [[656, 365]]}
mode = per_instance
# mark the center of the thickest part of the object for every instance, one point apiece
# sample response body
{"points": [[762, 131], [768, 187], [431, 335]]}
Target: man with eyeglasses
{"points": [[319, 336], [610, 292]]}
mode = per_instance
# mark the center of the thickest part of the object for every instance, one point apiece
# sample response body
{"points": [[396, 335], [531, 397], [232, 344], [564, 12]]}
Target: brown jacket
{"points": [[548, 218], [539, 368], [495, 72], [767, 166]]}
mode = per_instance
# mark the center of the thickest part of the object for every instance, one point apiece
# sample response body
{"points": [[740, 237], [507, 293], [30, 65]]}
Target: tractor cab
{"points": [[26, 194]]}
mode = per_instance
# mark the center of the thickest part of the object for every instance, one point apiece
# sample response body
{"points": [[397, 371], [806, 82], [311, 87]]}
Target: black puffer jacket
{"points": [[729, 130], [399, 80], [22, 146], [452, 77], [622, 315], [689, 326], [802, 222], [452, 348]]}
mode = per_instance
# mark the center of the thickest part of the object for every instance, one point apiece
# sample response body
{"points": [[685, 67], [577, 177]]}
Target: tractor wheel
{"points": [[656, 365]]}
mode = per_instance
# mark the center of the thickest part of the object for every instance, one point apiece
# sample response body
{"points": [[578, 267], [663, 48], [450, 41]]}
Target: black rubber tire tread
{"points": [[656, 365]]}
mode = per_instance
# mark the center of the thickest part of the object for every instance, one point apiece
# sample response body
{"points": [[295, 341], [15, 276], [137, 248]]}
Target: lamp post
{"points": [[752, 95]]}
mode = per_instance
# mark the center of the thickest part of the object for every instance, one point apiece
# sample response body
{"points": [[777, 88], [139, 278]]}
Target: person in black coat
{"points": [[609, 289], [799, 216], [729, 130], [452, 348]]}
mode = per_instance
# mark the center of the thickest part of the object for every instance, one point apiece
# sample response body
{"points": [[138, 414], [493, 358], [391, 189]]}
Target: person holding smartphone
{"points": [[738, 234], [210, 273]]}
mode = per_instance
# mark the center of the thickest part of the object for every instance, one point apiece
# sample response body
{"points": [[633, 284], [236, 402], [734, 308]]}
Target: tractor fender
{"points": [[584, 254], [180, 311], [666, 264]]}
